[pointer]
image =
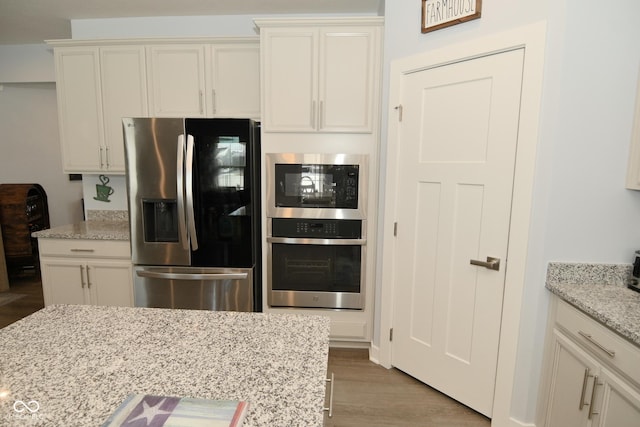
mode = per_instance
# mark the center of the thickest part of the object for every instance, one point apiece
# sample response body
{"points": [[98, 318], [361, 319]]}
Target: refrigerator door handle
{"points": [[192, 276], [182, 227], [191, 222]]}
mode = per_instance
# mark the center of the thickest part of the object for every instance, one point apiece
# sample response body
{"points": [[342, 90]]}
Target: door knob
{"points": [[491, 263]]}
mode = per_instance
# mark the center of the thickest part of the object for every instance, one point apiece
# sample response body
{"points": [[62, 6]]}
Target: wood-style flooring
{"points": [[24, 282], [365, 394]]}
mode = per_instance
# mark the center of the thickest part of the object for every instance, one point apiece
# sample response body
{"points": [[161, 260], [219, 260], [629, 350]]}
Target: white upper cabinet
{"points": [[124, 94], [235, 80], [79, 108], [320, 75], [177, 80], [100, 82], [96, 87], [633, 166]]}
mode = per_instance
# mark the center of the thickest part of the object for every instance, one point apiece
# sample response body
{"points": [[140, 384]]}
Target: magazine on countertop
{"points": [[143, 410]]}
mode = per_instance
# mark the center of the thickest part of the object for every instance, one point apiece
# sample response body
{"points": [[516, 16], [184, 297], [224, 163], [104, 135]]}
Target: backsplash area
{"points": [[104, 193]]}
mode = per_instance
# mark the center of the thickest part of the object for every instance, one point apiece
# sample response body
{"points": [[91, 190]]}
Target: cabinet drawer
{"points": [[84, 248], [604, 343]]}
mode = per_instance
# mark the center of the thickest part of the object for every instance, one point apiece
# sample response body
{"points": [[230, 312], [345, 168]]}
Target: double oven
{"points": [[316, 230]]}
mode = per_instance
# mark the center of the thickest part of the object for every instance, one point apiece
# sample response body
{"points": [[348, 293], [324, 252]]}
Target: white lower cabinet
{"points": [[86, 272], [590, 376]]}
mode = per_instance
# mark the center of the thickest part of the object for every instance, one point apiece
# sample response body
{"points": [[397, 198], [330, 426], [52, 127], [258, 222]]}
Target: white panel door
{"points": [[124, 94], [619, 405], [290, 79], [79, 108], [348, 65], [64, 282], [177, 80], [111, 283], [236, 80], [457, 142], [573, 375]]}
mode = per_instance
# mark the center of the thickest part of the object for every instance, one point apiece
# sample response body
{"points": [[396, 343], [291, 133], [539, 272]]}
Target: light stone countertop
{"points": [[600, 291], [91, 230], [80, 362], [100, 225]]}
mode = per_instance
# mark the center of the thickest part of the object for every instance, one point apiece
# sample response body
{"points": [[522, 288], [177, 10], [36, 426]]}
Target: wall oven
{"points": [[316, 230]]}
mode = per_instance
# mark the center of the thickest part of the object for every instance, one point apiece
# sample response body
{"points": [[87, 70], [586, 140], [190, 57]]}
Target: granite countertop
{"points": [[100, 225], [92, 230], [600, 291], [80, 362]]}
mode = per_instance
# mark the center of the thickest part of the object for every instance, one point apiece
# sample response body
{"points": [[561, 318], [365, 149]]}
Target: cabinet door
{"points": [[572, 377], [290, 79], [124, 94], [620, 403], [235, 72], [79, 108], [177, 80], [348, 61], [63, 282], [110, 283]]}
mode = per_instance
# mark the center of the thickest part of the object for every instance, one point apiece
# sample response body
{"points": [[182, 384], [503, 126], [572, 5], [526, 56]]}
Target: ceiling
{"points": [[33, 21]]}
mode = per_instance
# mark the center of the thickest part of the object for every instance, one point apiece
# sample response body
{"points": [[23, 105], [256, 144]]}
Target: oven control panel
{"points": [[316, 228]]}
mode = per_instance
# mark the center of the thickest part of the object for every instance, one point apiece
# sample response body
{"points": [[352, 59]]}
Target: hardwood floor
{"points": [[28, 283], [365, 394]]}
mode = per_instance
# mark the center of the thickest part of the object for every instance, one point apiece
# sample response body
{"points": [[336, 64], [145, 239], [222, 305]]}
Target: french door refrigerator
{"points": [[193, 189]]}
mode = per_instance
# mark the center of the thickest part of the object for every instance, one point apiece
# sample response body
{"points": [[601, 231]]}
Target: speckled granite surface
{"points": [[94, 230], [100, 225], [600, 291], [80, 362]]}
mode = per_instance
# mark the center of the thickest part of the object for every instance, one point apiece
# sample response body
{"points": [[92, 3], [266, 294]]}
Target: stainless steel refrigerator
{"points": [[194, 209]]}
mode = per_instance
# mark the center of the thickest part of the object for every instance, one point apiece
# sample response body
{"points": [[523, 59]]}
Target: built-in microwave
{"points": [[302, 185]]}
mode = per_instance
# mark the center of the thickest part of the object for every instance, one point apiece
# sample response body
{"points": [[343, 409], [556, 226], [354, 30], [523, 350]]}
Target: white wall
{"points": [[581, 210], [30, 151]]}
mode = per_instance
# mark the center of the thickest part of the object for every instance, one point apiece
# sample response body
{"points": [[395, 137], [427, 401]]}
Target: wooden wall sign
{"points": [[437, 14]]}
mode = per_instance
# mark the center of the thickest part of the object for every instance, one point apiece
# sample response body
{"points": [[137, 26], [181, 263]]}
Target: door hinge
{"points": [[399, 109], [391, 334], [395, 229]]}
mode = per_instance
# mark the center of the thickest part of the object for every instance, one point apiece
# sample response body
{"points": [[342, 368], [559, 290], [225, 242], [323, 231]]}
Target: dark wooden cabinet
{"points": [[23, 210]]}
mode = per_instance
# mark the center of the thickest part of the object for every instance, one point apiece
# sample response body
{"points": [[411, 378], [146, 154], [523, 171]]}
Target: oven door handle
{"points": [[309, 241]]}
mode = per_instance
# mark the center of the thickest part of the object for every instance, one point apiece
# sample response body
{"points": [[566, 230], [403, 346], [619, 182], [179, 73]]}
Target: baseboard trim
{"points": [[516, 423]]}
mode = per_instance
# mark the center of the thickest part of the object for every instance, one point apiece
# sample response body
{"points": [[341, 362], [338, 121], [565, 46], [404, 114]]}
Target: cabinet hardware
{"points": [[88, 279], [321, 115], [313, 114], [589, 338], [106, 156], [82, 276], [101, 161], [82, 250], [395, 229], [200, 102], [391, 334], [398, 108], [213, 100], [592, 411], [584, 389], [330, 408], [491, 263]]}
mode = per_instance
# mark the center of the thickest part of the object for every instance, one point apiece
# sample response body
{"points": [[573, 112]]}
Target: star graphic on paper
{"points": [[149, 412]]}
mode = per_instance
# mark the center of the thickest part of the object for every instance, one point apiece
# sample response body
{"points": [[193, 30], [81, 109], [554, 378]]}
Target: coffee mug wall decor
{"points": [[103, 191]]}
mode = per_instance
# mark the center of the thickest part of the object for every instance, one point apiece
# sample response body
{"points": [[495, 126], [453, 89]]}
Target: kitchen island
{"points": [[80, 362]]}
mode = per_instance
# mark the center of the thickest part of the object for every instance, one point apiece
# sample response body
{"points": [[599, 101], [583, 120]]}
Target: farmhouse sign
{"points": [[437, 14]]}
